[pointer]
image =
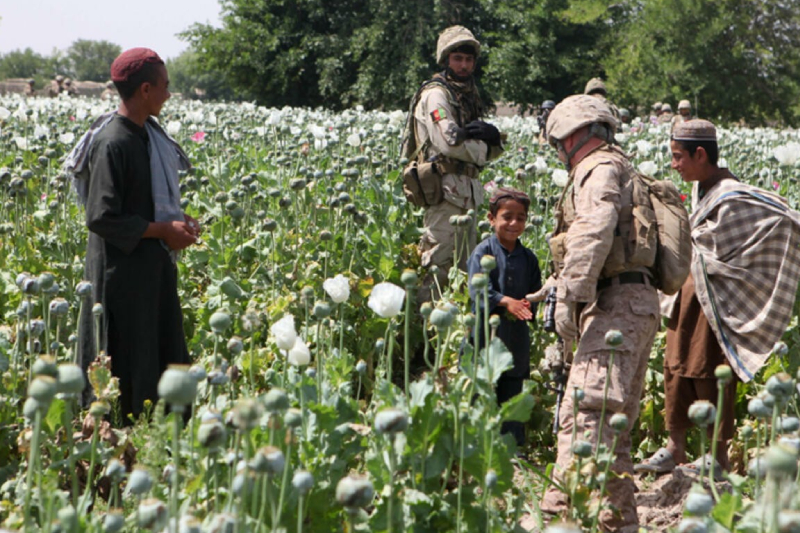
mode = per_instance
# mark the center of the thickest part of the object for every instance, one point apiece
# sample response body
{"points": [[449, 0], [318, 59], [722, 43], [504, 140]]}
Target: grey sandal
{"points": [[660, 462], [693, 469]]}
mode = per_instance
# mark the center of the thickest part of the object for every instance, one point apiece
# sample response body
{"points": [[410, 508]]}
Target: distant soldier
{"points": [[547, 107], [55, 86], [624, 116], [656, 111], [666, 114], [597, 88], [684, 113], [109, 93], [69, 88], [29, 90]]}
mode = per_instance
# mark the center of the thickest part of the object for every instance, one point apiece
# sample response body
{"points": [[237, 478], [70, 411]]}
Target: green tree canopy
{"points": [[91, 60]]}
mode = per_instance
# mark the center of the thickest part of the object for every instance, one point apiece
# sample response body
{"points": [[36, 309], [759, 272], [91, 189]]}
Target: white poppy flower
{"points": [[4, 113], [299, 355], [338, 288], [386, 299], [67, 138], [722, 163], [644, 147], [22, 143], [560, 177], [788, 154], [173, 127], [39, 132], [284, 332], [354, 140], [648, 167]]}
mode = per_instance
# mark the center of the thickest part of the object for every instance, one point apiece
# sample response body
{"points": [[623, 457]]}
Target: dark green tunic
{"points": [[134, 278]]}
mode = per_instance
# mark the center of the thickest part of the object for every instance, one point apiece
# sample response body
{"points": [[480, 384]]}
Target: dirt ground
{"points": [[659, 501]]}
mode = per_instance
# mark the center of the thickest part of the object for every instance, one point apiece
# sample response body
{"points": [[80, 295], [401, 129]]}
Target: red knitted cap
{"points": [[131, 61]]}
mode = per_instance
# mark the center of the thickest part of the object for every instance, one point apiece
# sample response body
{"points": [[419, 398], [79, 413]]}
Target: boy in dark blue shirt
{"points": [[517, 273]]}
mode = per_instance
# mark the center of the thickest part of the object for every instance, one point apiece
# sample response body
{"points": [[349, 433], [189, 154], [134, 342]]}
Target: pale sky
{"points": [[47, 24]]}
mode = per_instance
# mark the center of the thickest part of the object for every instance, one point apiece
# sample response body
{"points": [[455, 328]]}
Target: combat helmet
{"points": [[595, 85], [684, 104], [59, 78], [623, 112], [453, 37], [666, 108], [548, 104], [576, 112]]}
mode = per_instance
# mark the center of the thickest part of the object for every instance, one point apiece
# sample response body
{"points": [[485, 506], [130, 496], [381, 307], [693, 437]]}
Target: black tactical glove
{"points": [[483, 131]]}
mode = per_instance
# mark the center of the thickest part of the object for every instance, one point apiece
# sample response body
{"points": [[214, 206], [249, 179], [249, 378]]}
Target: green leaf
{"points": [[518, 408], [419, 391], [727, 507], [52, 420], [495, 360]]}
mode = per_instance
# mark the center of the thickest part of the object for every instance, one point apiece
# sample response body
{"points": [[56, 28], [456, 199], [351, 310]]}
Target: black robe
{"points": [[133, 277]]}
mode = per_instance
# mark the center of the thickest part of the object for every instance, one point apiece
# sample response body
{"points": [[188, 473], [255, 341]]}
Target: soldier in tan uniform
{"points": [[601, 284], [597, 88], [666, 114], [684, 113], [446, 128], [55, 86]]}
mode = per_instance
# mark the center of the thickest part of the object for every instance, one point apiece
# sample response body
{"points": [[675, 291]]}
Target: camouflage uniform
{"points": [[610, 294], [437, 118], [666, 114]]}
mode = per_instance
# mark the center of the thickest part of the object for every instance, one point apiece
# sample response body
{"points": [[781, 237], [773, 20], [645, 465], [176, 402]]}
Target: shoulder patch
{"points": [[438, 114]]}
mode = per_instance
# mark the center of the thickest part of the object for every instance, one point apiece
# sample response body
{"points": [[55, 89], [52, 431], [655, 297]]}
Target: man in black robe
{"points": [[131, 252]]}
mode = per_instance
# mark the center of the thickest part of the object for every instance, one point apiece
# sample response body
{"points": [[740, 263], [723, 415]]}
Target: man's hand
{"points": [[193, 224], [519, 308], [178, 235], [483, 131], [565, 320], [541, 294]]}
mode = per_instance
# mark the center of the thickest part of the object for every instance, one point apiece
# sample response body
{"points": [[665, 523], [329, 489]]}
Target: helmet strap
{"points": [[450, 73], [595, 130]]}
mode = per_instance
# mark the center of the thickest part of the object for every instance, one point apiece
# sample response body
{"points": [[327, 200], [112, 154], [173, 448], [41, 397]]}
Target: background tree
{"points": [[192, 81], [91, 60]]}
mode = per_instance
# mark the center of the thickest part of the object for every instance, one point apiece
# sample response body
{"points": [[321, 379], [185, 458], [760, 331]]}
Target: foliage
{"points": [[91, 60], [189, 79]]}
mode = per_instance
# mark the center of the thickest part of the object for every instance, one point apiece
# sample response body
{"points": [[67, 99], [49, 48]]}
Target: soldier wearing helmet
{"points": [[666, 114], [684, 113], [624, 116], [445, 127], [656, 111], [600, 285], [597, 88], [55, 86], [547, 107]]}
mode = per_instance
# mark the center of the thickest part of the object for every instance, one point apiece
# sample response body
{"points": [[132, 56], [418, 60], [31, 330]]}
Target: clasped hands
{"points": [[480, 131], [565, 314]]}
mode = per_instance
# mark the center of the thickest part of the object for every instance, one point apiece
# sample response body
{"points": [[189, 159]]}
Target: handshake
{"points": [[480, 131]]}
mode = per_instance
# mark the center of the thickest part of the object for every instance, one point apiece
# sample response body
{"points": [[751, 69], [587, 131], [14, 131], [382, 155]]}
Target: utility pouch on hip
{"points": [[422, 184]]}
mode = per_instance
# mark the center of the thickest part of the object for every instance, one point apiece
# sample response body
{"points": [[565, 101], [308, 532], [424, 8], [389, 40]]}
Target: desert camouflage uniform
{"points": [[435, 123], [593, 211]]}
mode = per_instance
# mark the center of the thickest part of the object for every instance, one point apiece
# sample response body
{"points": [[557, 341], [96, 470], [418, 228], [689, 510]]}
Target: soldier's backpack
{"points": [[674, 249]]}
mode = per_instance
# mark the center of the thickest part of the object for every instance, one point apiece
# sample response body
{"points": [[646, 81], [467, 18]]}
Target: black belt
{"points": [[625, 277]]}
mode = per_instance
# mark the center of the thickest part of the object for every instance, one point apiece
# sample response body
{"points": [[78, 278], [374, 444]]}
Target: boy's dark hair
{"points": [[711, 148], [147, 74], [505, 194]]}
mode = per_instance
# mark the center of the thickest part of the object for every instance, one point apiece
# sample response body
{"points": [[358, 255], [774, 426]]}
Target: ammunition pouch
{"points": [[422, 184]]}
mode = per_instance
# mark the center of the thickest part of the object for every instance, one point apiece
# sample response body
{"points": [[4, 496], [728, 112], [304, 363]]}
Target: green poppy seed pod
{"points": [[578, 394], [322, 310], [441, 318], [563, 527], [70, 379], [68, 518], [189, 524], [692, 525], [59, 307], [97, 309], [218, 378], [494, 321], [391, 420], [293, 417], [211, 434], [230, 288], [488, 263], [757, 468], [453, 220], [614, 338], [45, 365], [297, 184], [246, 414], [464, 220], [43, 389], [275, 401], [409, 278], [757, 408], [789, 521], [469, 320], [781, 460], [20, 279], [769, 400], [582, 448], [311, 372], [270, 225], [113, 522], [780, 349], [426, 309], [219, 322], [619, 422], [780, 385], [361, 367], [702, 413], [177, 387], [83, 289], [152, 514], [698, 502], [788, 424], [325, 235], [222, 523], [99, 409], [30, 286], [46, 280], [479, 281], [242, 484], [723, 373], [198, 372], [747, 431], [31, 407], [115, 470], [354, 492], [235, 346], [139, 482], [302, 481], [490, 479], [380, 344]]}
